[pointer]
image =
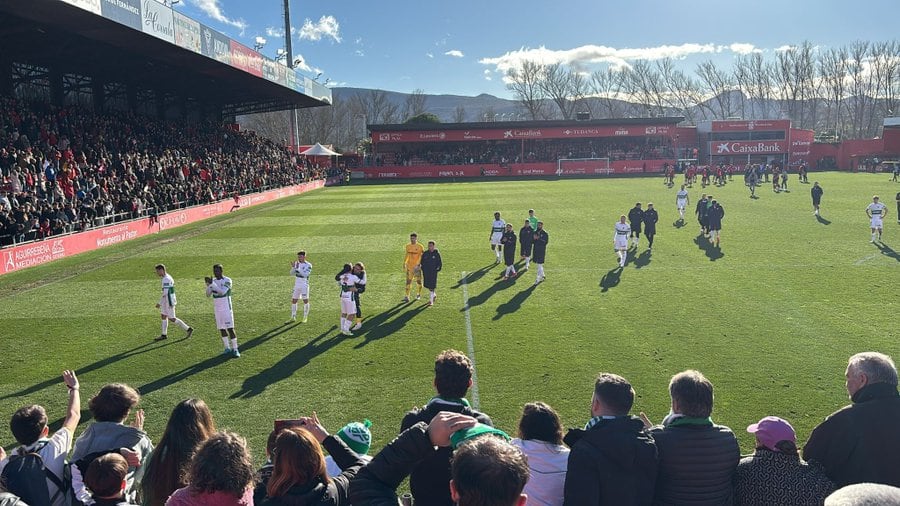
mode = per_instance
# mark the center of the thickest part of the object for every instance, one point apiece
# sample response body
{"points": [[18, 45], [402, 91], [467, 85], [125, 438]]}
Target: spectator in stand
{"points": [[190, 424], [540, 439], [859, 442], [29, 426], [452, 379], [697, 458], [105, 477], [221, 474], [299, 474], [110, 408], [486, 470], [614, 459], [775, 474], [358, 438]]}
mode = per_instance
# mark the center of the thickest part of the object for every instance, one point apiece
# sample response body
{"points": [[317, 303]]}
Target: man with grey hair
{"points": [[859, 442]]}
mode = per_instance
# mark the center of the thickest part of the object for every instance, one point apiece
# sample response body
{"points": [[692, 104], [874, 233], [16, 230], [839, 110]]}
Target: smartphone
{"points": [[284, 424]]}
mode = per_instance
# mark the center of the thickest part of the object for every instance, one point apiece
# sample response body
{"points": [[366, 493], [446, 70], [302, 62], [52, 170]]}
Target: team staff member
{"points": [[620, 239], [219, 288], [359, 270], [301, 270], [166, 305], [412, 267], [431, 265], [540, 250], [714, 219], [816, 192], [636, 217], [700, 211], [509, 252], [498, 226], [650, 219], [526, 238]]}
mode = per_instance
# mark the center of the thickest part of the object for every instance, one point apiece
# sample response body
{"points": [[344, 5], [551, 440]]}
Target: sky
{"points": [[464, 47]]}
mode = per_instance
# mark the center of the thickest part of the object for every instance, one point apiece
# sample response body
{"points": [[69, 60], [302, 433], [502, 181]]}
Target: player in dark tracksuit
{"points": [[700, 211], [431, 265], [636, 217], [816, 193], [650, 219], [509, 251], [526, 238], [540, 250]]}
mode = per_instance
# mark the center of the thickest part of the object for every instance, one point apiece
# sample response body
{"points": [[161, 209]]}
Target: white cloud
{"points": [[618, 58], [430, 55], [271, 31], [327, 26], [487, 75], [359, 52], [456, 53], [212, 9], [358, 41], [783, 48]]}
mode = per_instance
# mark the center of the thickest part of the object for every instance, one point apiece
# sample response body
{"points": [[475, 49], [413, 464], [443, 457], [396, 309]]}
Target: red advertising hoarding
{"points": [[246, 59], [731, 148], [750, 125], [523, 133], [801, 146], [566, 168], [54, 248]]}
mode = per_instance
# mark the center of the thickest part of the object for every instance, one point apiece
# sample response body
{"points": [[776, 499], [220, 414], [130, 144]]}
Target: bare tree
{"points": [[606, 86], [860, 87], [487, 114], [275, 126], [718, 86], [459, 114], [833, 79], [885, 61], [643, 83], [683, 92], [415, 104], [525, 83], [564, 87], [760, 76]]}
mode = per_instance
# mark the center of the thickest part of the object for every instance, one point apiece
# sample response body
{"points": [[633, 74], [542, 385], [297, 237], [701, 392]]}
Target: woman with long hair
{"points": [[190, 424], [299, 475], [221, 474], [540, 439]]}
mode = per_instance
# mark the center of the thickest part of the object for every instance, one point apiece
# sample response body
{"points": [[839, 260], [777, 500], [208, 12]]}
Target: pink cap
{"points": [[770, 430]]}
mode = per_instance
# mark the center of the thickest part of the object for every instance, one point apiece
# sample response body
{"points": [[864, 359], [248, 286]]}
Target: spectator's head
{"points": [[105, 476], [297, 458], [452, 374], [692, 394], [28, 424], [869, 368], [488, 471], [775, 434], [613, 396], [357, 436], [113, 403], [222, 464], [539, 422], [865, 494]]}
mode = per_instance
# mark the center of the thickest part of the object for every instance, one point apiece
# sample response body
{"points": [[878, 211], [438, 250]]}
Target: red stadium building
{"points": [[741, 142], [525, 148]]}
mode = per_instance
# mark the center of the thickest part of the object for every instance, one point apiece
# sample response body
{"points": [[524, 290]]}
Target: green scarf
{"points": [[686, 420]]}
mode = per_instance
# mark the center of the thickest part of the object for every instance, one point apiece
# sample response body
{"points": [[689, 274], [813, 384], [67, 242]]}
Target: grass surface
{"points": [[771, 318]]}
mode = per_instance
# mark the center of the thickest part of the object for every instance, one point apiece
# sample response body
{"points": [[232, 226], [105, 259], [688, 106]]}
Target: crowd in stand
{"points": [[66, 169], [532, 151], [453, 455]]}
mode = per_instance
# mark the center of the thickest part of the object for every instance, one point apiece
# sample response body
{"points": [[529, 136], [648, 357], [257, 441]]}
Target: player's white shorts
{"points": [[348, 306], [224, 319], [301, 289], [681, 204], [166, 310], [621, 242], [876, 222], [495, 238]]}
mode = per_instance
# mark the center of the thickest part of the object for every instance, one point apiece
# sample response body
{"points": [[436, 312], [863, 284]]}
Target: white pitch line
{"points": [[470, 342], [866, 259]]}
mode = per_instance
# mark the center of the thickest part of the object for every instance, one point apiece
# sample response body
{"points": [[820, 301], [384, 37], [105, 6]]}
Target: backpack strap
{"points": [[56, 480]]}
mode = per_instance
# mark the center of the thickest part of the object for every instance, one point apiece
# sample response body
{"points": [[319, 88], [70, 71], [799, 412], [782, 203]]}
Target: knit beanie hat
{"points": [[357, 436]]}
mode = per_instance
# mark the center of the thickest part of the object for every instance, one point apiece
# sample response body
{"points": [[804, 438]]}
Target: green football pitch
{"points": [[770, 318]]}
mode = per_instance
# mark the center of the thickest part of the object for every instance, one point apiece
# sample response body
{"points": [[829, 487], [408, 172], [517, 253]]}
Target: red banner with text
{"points": [[565, 168], [54, 248], [524, 133]]}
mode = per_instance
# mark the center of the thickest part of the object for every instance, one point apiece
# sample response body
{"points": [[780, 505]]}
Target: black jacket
{"points": [[613, 462], [696, 464], [429, 481], [335, 493], [859, 443], [376, 483], [650, 219]]}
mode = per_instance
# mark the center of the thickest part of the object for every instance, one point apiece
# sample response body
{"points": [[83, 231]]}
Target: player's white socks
{"points": [[234, 346], [681, 212], [181, 324], [305, 310], [540, 272], [874, 236], [527, 262], [431, 297], [165, 326], [293, 310], [225, 342], [497, 252]]}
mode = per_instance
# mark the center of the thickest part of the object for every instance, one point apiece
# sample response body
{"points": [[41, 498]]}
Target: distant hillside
{"points": [[443, 106]]}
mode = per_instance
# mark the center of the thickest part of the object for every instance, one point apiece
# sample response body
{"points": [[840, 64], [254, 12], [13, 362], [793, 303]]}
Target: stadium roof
{"points": [[669, 120], [62, 37]]}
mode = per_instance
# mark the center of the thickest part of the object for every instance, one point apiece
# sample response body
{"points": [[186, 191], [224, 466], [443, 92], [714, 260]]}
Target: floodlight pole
{"points": [[295, 135]]}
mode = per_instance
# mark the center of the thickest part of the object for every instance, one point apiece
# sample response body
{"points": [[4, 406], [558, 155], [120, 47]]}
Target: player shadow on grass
{"points": [[372, 332], [515, 303], [679, 223], [712, 252], [643, 259], [888, 251], [289, 364], [611, 279], [482, 297], [474, 276], [82, 371], [211, 362], [822, 220]]}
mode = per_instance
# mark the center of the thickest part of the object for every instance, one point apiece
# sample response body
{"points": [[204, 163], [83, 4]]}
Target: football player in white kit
{"points": [[301, 269], [497, 229], [681, 201], [219, 288], [620, 239], [166, 305], [876, 211], [348, 282]]}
